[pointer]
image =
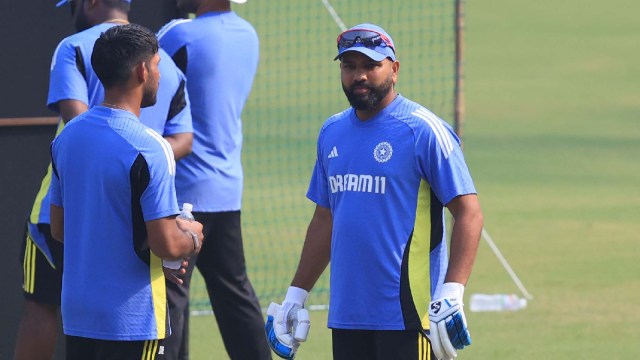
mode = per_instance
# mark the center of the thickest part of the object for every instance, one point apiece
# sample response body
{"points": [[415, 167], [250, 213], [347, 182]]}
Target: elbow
{"points": [[183, 146]]}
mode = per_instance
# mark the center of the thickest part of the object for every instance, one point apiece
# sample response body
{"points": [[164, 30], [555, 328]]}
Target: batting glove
{"points": [[288, 324], [448, 324]]}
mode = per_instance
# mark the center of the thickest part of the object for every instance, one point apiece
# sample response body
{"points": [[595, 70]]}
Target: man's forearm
{"points": [[316, 252]]}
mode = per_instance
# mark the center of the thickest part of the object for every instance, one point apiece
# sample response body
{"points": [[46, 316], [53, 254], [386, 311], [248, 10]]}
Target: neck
{"points": [[116, 21], [122, 100], [209, 6], [113, 16]]}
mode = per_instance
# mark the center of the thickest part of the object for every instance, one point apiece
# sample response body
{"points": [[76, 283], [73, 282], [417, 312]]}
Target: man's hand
{"points": [[173, 275], [288, 324], [448, 324]]}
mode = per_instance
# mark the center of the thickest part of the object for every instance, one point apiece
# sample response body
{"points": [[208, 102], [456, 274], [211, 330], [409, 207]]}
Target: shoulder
{"points": [[146, 141], [167, 66], [418, 117], [245, 23], [174, 27], [336, 119], [428, 128], [66, 45], [68, 128], [83, 39]]}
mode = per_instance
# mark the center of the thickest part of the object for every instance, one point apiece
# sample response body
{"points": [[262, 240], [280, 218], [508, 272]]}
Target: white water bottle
{"points": [[186, 215], [496, 302]]}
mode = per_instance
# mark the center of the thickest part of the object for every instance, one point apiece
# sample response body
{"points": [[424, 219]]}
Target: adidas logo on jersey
{"points": [[333, 153]]}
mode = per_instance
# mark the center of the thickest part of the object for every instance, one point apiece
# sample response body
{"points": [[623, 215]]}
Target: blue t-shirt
{"points": [[111, 175], [218, 52], [72, 78], [386, 180]]}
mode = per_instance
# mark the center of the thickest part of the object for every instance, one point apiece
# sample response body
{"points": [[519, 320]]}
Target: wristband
{"points": [[194, 238]]}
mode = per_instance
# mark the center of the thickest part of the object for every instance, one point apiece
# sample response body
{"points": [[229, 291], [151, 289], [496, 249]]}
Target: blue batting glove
{"points": [[288, 324], [448, 325]]}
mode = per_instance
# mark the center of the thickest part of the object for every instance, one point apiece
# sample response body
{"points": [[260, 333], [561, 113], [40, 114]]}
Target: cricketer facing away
{"points": [[73, 89], [113, 204], [385, 170], [219, 52]]}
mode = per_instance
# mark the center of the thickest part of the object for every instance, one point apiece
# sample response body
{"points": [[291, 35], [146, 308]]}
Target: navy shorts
{"points": [[380, 344], [42, 276], [85, 348]]}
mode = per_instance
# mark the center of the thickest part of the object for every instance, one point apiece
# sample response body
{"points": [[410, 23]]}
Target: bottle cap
{"points": [[523, 303], [187, 207]]}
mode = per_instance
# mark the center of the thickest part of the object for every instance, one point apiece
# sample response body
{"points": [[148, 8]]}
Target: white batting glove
{"points": [[448, 328], [288, 324]]}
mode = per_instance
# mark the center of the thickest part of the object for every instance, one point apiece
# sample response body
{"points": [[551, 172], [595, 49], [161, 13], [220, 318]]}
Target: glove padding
{"points": [[447, 322], [287, 325]]}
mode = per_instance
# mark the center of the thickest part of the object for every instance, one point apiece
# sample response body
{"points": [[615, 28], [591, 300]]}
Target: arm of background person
{"points": [[316, 251], [71, 108], [465, 237], [180, 144], [168, 240], [57, 222]]}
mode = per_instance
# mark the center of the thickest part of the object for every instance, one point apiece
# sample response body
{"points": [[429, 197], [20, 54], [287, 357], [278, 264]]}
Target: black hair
{"points": [[119, 49]]}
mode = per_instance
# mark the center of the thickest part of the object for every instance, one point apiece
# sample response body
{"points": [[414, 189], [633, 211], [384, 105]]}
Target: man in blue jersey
{"points": [[74, 88], [385, 170], [113, 204], [218, 52]]}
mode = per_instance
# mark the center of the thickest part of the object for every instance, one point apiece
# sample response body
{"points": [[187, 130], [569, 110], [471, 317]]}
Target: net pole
{"points": [[458, 96], [458, 118]]}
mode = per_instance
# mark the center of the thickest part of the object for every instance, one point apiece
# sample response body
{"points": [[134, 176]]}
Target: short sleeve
{"points": [[441, 162], [179, 116], [55, 190], [66, 81], [318, 191], [159, 198], [169, 36]]}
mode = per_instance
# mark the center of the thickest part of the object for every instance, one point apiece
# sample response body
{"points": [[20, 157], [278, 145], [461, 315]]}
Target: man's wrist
{"points": [[450, 290], [194, 239], [296, 295]]}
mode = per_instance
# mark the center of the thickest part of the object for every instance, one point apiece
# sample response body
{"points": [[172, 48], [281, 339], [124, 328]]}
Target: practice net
{"points": [[296, 88]]}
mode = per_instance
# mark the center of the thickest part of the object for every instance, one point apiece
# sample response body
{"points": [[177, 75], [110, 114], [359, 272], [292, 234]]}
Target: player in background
{"points": [[113, 204], [74, 88], [385, 170], [218, 52]]}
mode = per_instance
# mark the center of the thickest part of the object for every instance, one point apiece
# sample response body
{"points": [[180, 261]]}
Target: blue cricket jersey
{"points": [[111, 175], [386, 181], [72, 78], [218, 52]]}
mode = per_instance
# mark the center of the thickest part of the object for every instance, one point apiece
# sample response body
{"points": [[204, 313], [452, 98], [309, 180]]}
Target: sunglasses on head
{"points": [[368, 38]]}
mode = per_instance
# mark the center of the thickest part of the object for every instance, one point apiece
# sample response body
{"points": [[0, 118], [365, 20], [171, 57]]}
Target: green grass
{"points": [[551, 135]]}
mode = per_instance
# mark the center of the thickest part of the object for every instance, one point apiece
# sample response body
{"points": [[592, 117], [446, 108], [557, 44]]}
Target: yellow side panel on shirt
{"points": [[158, 288], [44, 187], [419, 278]]}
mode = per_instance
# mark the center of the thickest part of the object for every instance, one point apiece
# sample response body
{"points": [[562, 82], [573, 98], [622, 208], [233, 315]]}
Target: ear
{"points": [[395, 68], [141, 72]]}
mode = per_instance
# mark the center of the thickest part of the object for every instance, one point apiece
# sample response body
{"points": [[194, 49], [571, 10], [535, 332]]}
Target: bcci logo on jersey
{"points": [[382, 152], [358, 183]]}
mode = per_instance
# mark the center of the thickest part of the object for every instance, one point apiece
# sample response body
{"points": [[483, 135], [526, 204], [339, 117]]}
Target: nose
{"points": [[359, 75]]}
